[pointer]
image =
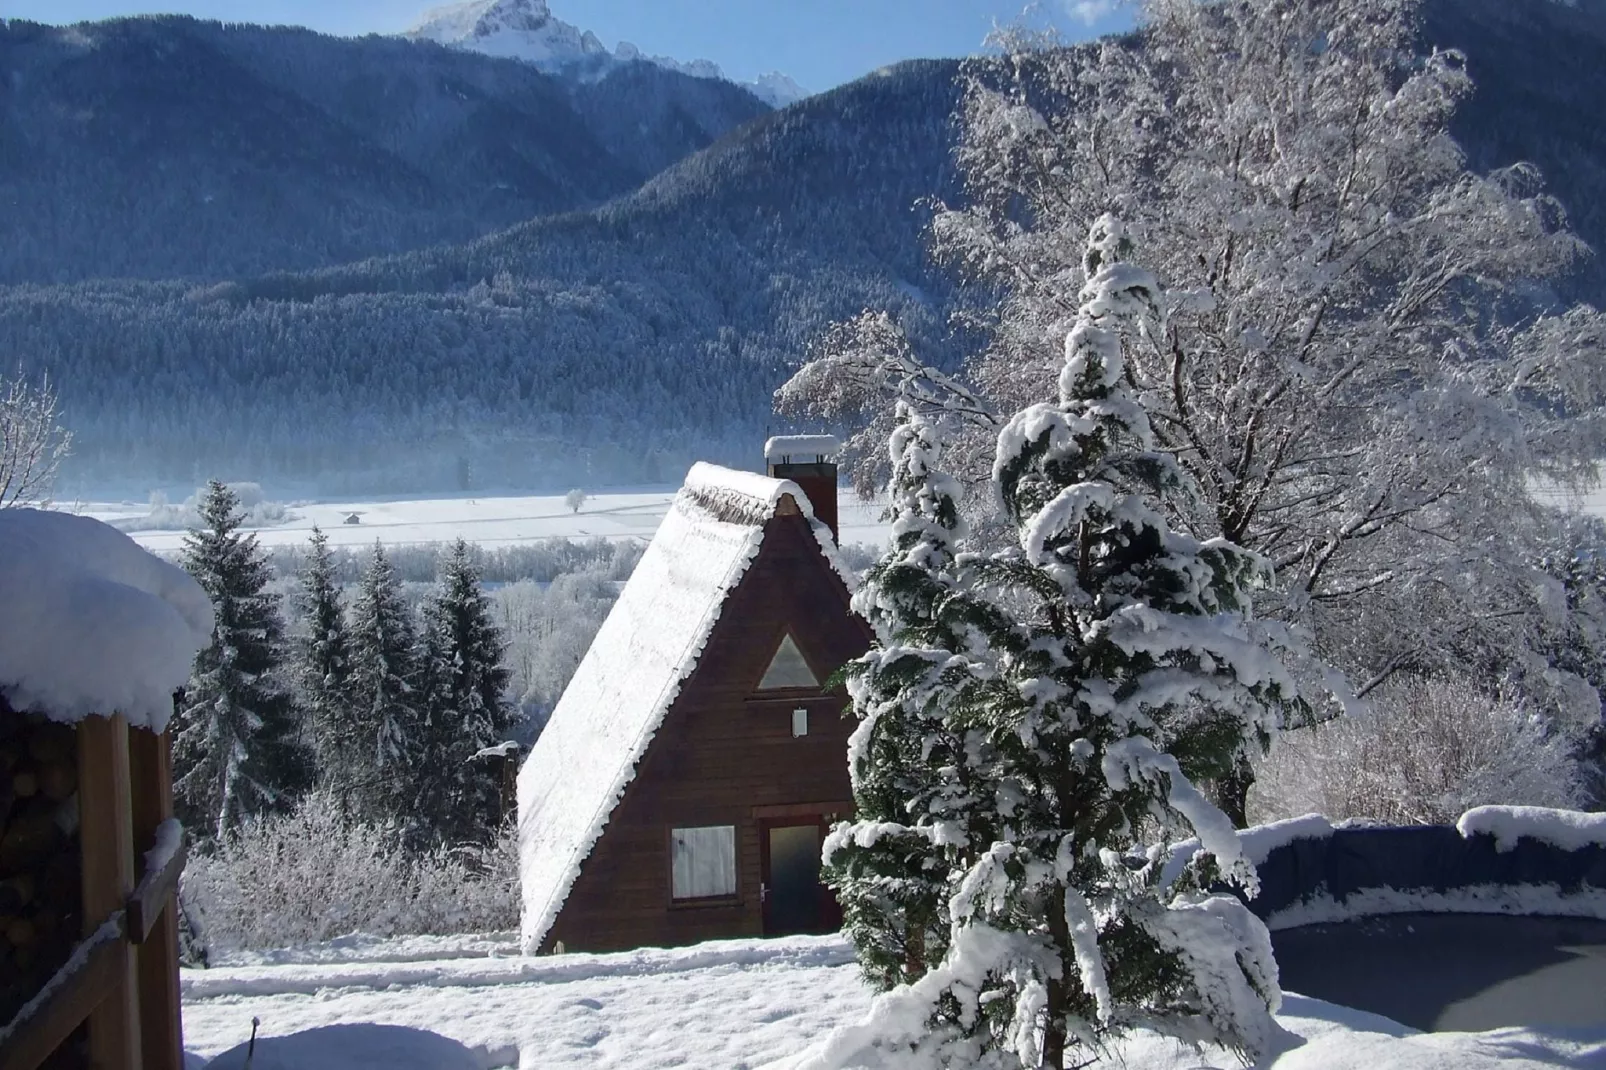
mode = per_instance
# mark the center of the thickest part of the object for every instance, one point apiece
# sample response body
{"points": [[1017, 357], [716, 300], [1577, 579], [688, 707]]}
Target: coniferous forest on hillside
{"points": [[371, 265]]}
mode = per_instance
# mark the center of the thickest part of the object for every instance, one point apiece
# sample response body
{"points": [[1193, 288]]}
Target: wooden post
{"points": [[151, 761], [107, 838]]}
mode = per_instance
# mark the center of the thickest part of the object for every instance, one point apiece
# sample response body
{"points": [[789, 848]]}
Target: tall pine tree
{"points": [[1128, 668], [324, 667], [237, 747], [385, 710], [466, 706]]}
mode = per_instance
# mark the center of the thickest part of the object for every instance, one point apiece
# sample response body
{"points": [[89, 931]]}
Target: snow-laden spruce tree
{"points": [[465, 706], [384, 713], [324, 666], [920, 812], [1131, 670], [237, 747]]}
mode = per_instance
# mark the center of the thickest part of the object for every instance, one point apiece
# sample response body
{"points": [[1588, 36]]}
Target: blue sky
{"points": [[820, 43]]}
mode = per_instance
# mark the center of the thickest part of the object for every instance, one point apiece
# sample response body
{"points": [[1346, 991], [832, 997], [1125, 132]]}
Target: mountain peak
{"points": [[527, 30], [511, 16]]}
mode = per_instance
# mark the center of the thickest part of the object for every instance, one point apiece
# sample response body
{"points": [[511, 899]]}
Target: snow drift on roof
{"points": [[90, 622], [801, 446], [586, 756]]}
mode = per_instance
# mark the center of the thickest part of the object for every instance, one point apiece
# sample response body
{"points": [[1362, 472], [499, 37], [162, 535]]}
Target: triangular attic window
{"points": [[788, 669]]}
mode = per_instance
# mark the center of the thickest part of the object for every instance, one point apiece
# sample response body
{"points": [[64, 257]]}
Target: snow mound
{"points": [[1566, 830], [352, 1047], [90, 623]]}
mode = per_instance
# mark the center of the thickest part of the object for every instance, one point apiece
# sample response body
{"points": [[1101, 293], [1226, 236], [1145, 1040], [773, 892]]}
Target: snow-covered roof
{"points": [[586, 756], [801, 446], [91, 623]]}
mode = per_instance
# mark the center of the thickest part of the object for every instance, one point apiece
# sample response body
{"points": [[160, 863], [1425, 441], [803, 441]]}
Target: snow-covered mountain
{"points": [[527, 30]]}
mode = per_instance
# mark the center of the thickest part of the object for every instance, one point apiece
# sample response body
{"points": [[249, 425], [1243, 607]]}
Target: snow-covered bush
{"points": [[312, 875], [1425, 752], [165, 516], [548, 630]]}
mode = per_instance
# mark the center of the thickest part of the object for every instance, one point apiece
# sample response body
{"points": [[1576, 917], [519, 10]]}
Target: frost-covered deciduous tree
{"points": [[1120, 667], [1363, 363], [325, 666], [575, 499], [237, 746], [1370, 368], [1425, 752], [465, 705], [32, 441], [384, 713]]}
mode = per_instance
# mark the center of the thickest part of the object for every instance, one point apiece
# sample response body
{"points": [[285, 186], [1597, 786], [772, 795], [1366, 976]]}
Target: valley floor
{"points": [[489, 522], [731, 1005]]}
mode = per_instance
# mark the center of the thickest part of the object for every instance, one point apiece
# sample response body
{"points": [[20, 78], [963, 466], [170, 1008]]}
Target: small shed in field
{"points": [[95, 636], [682, 788]]}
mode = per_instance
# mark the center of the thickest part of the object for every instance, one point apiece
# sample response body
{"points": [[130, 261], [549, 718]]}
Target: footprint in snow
{"points": [[591, 1039]]}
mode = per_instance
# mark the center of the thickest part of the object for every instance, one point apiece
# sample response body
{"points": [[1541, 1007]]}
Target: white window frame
{"points": [[702, 863]]}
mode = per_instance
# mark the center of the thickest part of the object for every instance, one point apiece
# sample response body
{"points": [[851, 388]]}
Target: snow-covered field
{"points": [[717, 1006], [487, 521], [508, 520]]}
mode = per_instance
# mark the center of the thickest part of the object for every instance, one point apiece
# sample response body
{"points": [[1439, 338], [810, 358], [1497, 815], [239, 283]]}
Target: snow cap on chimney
{"points": [[810, 462], [801, 448]]}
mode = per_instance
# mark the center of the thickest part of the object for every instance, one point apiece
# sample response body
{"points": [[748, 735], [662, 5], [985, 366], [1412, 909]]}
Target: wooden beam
{"points": [[81, 985], [816, 810], [107, 839], [155, 890], [160, 1028]]}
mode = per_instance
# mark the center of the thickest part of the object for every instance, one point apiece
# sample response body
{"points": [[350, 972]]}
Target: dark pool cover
{"points": [[1458, 972], [1441, 971]]}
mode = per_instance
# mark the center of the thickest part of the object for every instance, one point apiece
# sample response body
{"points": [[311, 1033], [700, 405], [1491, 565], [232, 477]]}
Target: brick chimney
{"points": [[810, 462]]}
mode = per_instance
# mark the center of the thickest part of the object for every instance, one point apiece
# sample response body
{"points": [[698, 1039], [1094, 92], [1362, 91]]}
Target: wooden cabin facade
{"points": [[683, 788]]}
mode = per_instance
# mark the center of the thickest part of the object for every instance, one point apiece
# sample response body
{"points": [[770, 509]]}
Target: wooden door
{"points": [[795, 901]]}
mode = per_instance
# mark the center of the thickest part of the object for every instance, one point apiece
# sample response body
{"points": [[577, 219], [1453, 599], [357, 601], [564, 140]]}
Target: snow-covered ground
{"points": [[716, 1006], [500, 521]]}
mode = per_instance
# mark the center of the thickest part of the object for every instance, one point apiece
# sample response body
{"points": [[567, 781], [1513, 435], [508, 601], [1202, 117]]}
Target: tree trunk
{"points": [[1058, 989], [1232, 794]]}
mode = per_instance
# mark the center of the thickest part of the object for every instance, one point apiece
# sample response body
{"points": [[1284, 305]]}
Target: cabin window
{"points": [[703, 862], [788, 669], [800, 722]]}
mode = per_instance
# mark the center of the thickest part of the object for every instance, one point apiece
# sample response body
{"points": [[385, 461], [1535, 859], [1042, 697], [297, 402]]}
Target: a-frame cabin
{"points": [[683, 785]]}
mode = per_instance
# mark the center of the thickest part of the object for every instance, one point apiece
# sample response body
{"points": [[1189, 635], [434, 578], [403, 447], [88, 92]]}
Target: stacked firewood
{"points": [[40, 890]]}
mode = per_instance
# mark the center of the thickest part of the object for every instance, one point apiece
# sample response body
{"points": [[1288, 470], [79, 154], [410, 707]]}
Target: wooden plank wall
{"points": [[151, 760], [726, 757], [104, 805]]}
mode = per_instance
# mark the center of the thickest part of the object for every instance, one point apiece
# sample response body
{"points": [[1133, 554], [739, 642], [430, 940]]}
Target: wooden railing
{"points": [[122, 978]]}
